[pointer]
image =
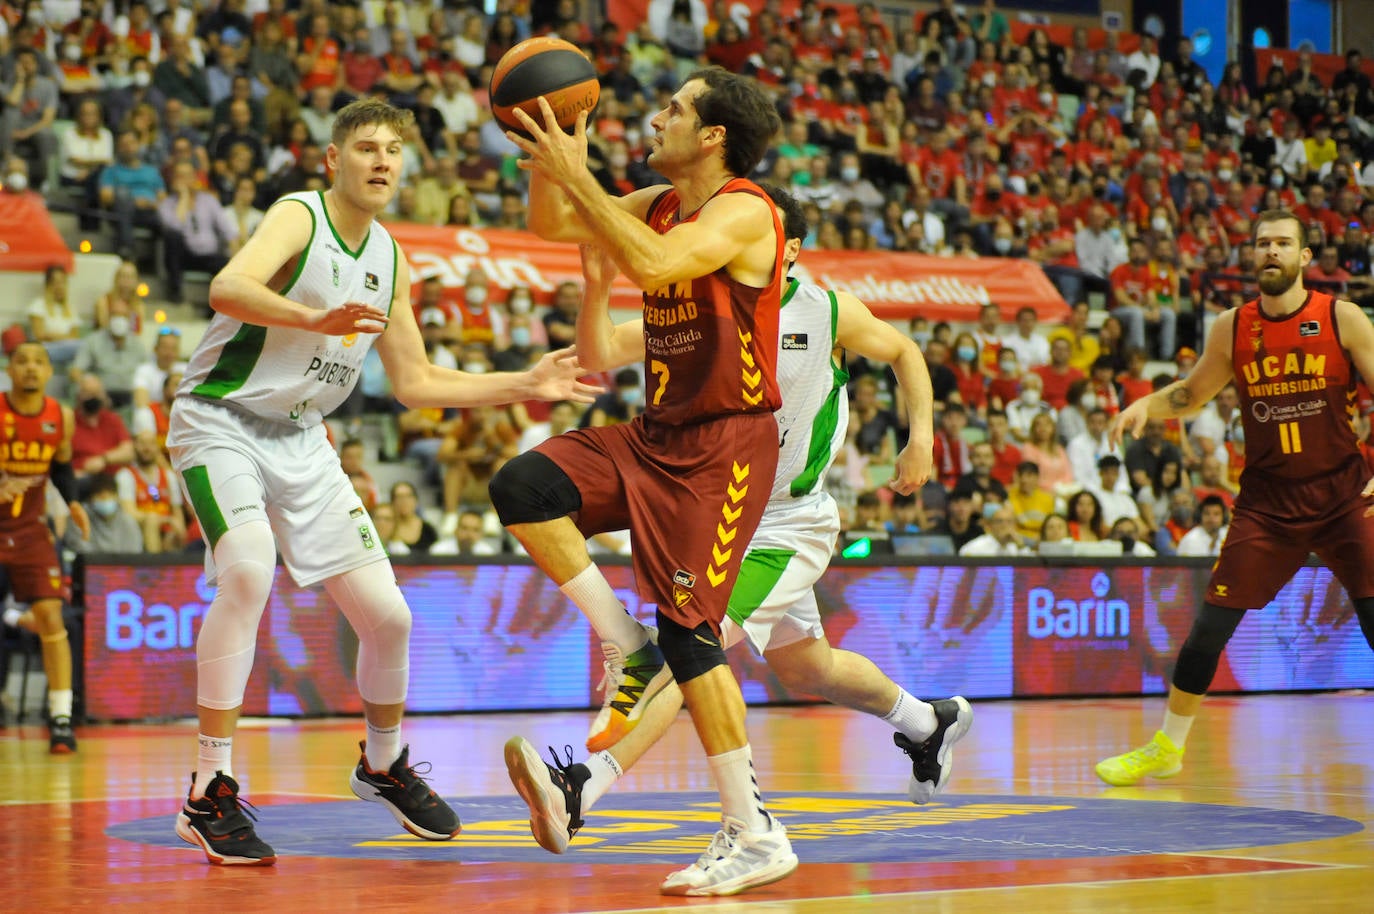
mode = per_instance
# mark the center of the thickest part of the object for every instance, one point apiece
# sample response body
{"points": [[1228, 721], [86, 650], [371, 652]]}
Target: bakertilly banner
{"points": [[896, 286]]}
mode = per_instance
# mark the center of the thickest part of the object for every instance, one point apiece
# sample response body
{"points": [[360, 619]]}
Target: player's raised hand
{"points": [[553, 153], [555, 377], [353, 317]]}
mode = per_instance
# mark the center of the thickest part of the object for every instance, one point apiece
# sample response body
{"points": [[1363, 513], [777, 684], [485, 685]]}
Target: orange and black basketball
{"points": [[545, 66]]}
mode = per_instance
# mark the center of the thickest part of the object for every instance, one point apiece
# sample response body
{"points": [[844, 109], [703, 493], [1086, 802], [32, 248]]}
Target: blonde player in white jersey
{"points": [[296, 311], [773, 604]]}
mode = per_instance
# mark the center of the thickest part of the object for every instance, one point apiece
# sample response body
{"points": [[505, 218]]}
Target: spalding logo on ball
{"points": [[545, 66]]}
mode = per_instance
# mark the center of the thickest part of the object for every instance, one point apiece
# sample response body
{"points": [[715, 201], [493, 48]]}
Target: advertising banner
{"points": [[895, 286], [503, 637]]}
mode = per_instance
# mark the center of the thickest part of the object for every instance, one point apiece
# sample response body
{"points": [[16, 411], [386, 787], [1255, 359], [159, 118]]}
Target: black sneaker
{"points": [[932, 760], [219, 824], [61, 740], [552, 792], [401, 790]]}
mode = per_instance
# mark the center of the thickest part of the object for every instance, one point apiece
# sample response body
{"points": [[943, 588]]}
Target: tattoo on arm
{"points": [[1180, 398]]}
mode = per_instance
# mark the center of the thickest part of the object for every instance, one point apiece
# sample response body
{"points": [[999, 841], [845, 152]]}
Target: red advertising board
{"points": [[895, 286]]}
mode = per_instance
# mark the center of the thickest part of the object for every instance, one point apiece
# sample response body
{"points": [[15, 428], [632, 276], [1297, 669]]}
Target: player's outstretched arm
{"points": [[860, 331], [1181, 398], [601, 344], [246, 288], [419, 383]]}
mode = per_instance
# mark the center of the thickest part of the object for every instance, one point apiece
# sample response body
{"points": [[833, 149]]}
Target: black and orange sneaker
{"points": [[410, 799], [61, 739], [219, 824]]}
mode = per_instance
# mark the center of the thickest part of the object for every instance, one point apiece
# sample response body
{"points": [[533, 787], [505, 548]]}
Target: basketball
{"points": [[545, 66]]}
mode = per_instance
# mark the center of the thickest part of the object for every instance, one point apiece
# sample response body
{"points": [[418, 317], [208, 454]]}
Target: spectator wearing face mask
{"points": [[522, 349], [620, 404], [1028, 404], [113, 354], [100, 440], [478, 321], [112, 529]]}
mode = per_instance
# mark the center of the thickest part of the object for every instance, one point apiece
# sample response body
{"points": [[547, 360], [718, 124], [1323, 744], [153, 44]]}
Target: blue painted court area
{"points": [[824, 828]]}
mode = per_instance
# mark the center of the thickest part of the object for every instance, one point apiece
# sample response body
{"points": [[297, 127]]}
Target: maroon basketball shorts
{"points": [[1276, 526], [691, 496], [30, 561]]}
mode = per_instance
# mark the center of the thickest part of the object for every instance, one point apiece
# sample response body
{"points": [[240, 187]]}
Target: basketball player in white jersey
{"points": [[773, 604], [297, 310]]}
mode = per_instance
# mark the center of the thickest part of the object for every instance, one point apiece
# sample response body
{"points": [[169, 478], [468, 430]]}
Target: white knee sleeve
{"points": [[245, 558], [375, 607]]}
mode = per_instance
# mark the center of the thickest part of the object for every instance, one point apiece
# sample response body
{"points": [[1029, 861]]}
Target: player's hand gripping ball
{"points": [[545, 66]]}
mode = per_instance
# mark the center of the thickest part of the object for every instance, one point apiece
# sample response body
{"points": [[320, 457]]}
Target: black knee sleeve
{"points": [[530, 489], [1197, 661], [1364, 611], [689, 652]]}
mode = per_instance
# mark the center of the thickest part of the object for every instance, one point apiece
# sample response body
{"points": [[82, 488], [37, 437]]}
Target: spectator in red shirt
{"points": [[1131, 284], [91, 34], [968, 374], [1132, 381], [1058, 374], [950, 456], [1005, 386], [1094, 151], [1327, 270], [1233, 214], [1008, 455], [941, 169], [1315, 212], [1028, 140], [100, 441], [319, 59]]}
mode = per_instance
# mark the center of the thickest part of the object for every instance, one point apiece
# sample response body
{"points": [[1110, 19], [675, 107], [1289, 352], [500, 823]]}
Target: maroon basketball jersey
{"points": [[1297, 391], [27, 445], [711, 343]]}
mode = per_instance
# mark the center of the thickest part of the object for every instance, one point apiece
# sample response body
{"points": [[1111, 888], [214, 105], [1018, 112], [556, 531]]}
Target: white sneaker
{"points": [[736, 860]]}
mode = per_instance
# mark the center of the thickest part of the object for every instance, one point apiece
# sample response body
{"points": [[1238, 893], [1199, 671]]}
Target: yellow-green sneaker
{"points": [[1159, 758]]}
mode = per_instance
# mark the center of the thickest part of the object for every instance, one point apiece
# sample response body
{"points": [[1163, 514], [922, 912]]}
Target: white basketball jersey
{"points": [[297, 376], [815, 407]]}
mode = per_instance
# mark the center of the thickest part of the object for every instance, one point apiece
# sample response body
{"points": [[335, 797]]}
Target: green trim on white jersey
{"points": [[815, 407], [289, 375]]}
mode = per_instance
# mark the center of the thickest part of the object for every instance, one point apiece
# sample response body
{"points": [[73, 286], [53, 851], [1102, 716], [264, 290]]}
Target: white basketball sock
{"points": [[383, 746], [591, 593], [1176, 727], [740, 797], [605, 772], [913, 717], [59, 703], [212, 756]]}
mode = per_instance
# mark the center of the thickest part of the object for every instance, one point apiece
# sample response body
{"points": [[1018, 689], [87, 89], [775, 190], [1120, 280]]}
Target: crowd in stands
{"points": [[1113, 163]]}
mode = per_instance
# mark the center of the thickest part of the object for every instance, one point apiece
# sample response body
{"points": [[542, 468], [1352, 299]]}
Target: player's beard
{"points": [[1271, 284]]}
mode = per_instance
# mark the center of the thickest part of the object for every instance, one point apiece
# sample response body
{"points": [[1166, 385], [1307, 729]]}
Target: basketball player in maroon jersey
{"points": [[1293, 356], [691, 476], [35, 445]]}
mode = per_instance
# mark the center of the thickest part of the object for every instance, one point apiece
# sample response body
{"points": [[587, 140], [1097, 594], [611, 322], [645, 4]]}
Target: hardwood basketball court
{"points": [[1271, 813]]}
